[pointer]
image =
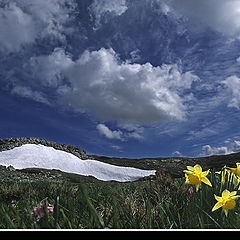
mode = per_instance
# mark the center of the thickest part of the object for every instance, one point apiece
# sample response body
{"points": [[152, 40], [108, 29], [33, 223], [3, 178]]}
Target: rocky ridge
{"points": [[172, 165], [10, 143]]}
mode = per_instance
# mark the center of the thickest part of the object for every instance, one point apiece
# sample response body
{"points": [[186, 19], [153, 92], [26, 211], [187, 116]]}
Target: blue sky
{"points": [[126, 78]]}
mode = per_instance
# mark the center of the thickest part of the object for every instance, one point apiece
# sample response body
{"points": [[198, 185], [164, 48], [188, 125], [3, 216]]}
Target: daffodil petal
{"points": [[232, 193], [187, 179], [190, 168], [197, 168], [235, 197], [235, 180], [205, 173], [225, 193], [217, 198], [225, 211], [217, 206], [206, 181], [188, 171]]}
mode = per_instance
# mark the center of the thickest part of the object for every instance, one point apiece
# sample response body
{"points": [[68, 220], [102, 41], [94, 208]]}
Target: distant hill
{"points": [[46, 157], [173, 165]]}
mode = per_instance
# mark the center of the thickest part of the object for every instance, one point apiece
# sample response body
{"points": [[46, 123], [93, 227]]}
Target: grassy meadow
{"points": [[53, 200]]}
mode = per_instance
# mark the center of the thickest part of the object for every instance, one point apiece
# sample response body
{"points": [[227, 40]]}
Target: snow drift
{"points": [[39, 156]]}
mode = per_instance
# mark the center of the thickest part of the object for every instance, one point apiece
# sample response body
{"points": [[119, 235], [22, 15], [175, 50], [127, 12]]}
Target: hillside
{"points": [[160, 201], [173, 165]]}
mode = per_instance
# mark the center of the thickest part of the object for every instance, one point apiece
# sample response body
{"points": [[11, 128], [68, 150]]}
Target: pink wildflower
{"points": [[39, 211], [50, 208]]}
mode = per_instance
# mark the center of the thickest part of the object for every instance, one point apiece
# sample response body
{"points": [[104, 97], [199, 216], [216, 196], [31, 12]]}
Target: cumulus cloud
{"points": [[236, 146], [176, 154], [104, 130], [24, 21], [114, 90], [221, 15], [49, 69], [232, 147], [124, 134], [132, 130], [232, 85], [99, 83], [208, 150]]}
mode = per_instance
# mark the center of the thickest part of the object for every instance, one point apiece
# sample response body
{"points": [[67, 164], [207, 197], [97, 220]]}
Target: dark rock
{"points": [[11, 168], [10, 143], [172, 165]]}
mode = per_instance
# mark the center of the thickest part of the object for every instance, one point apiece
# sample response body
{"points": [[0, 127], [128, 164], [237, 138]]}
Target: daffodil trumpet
{"points": [[226, 201], [195, 175]]}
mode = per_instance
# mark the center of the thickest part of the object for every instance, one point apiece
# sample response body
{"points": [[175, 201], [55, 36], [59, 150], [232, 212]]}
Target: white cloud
{"points": [[24, 21], [27, 92], [207, 150], [232, 84], [50, 16], [134, 135], [122, 135], [16, 28], [49, 69], [113, 90], [104, 130], [99, 8], [176, 154], [203, 132], [236, 146], [221, 15], [231, 147], [99, 83], [132, 130]]}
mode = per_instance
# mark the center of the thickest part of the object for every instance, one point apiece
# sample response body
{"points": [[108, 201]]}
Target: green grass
{"points": [[85, 203]]}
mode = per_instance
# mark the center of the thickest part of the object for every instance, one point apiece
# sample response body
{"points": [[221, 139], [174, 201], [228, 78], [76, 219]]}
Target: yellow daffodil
{"points": [[227, 201], [228, 176], [223, 173], [233, 175], [236, 175], [195, 175], [236, 170]]}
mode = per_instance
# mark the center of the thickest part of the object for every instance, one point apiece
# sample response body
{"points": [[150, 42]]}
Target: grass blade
{"points": [[96, 217]]}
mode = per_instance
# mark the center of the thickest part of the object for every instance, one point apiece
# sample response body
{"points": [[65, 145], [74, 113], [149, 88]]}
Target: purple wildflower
{"points": [[191, 191], [40, 212]]}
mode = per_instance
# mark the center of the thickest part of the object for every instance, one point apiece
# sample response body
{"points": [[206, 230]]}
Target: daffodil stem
{"points": [[217, 224]]}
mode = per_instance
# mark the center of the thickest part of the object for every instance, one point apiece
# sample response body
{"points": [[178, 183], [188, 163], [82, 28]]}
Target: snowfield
{"points": [[39, 156]]}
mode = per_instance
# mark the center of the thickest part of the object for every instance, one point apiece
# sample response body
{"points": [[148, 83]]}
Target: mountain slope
{"points": [[39, 156], [172, 165]]}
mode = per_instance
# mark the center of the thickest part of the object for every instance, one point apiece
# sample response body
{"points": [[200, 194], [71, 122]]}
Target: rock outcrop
{"points": [[172, 165], [10, 143]]}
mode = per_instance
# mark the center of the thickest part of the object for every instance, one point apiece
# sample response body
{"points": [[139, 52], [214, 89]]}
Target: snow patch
{"points": [[39, 156]]}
